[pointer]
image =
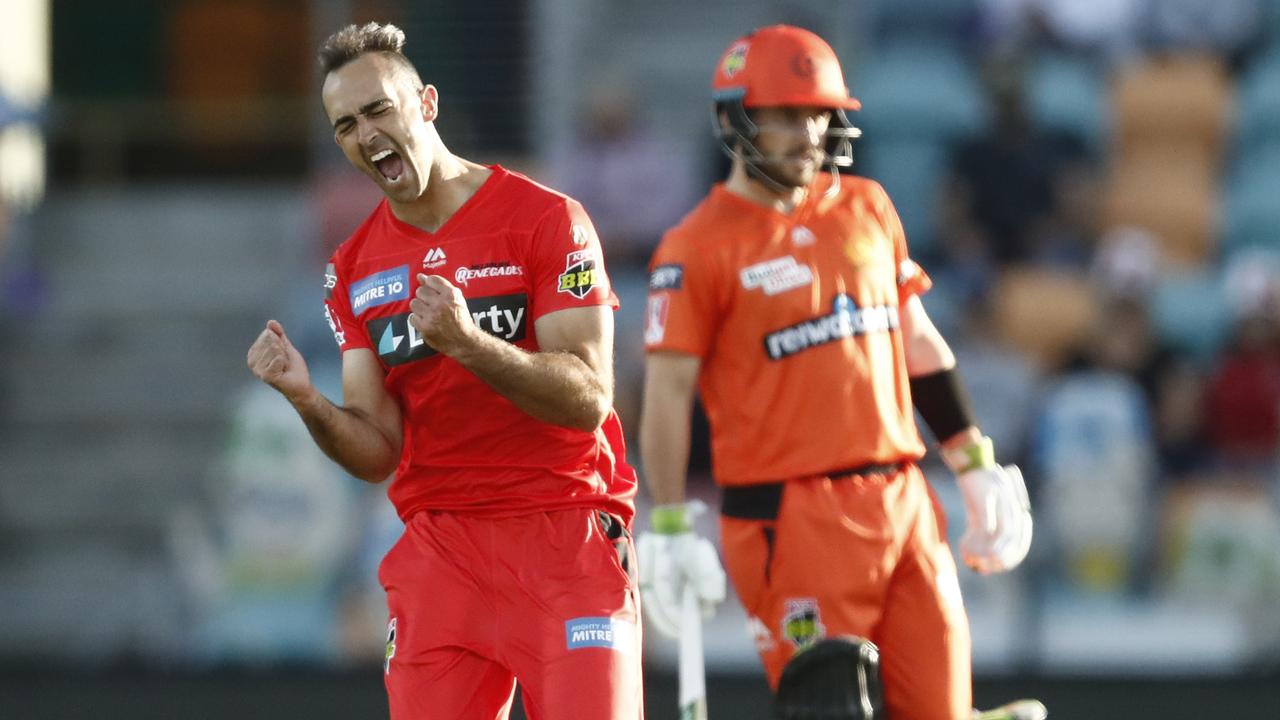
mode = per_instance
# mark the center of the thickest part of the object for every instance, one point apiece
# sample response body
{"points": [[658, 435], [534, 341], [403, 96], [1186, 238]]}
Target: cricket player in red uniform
{"points": [[475, 321], [789, 299]]}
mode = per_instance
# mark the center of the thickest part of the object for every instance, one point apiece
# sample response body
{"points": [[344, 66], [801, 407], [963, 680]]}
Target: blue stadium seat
{"points": [[939, 18], [1251, 205], [1066, 93], [919, 90], [1258, 102], [1190, 313]]}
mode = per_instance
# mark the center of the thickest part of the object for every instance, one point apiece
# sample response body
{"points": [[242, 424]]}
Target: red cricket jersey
{"points": [[518, 251]]}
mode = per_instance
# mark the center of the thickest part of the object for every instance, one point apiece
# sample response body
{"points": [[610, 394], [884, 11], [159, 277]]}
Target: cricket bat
{"points": [[693, 670]]}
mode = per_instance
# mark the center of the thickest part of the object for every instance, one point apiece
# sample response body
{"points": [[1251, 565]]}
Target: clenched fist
{"points": [[440, 315], [278, 363]]}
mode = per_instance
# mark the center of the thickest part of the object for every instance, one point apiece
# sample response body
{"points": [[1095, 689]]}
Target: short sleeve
{"points": [[567, 264], [683, 299], [911, 278], [337, 311]]}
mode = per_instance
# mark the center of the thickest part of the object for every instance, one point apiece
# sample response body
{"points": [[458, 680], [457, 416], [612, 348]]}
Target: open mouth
{"points": [[390, 164]]}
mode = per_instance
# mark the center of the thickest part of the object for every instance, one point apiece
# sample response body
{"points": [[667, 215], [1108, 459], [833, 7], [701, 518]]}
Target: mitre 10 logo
{"points": [[396, 341]]}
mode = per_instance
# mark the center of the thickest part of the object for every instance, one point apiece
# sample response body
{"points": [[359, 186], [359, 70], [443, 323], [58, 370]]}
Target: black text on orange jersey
{"points": [[845, 320]]}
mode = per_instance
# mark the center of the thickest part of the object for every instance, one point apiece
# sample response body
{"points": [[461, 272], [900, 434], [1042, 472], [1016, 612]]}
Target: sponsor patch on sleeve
{"points": [[667, 277], [580, 274], [330, 281], [339, 335], [655, 318]]}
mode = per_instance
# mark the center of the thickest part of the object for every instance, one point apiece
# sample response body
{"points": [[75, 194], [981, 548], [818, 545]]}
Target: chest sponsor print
{"points": [[397, 341], [465, 275], [776, 276], [580, 274], [845, 320], [379, 289]]}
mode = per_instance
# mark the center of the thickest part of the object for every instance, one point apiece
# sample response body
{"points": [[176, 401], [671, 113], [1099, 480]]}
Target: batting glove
{"points": [[997, 532], [672, 556]]}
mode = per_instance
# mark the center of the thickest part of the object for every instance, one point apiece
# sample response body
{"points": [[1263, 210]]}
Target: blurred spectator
{"points": [[269, 588], [1006, 178], [1228, 28], [1243, 410], [1104, 27], [1097, 453], [634, 182]]}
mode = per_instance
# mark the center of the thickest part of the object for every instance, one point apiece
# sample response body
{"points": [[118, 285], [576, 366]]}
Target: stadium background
{"points": [[1091, 183]]}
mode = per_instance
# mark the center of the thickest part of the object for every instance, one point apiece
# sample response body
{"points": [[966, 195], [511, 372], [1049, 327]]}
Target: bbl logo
{"points": [[580, 274], [802, 624]]}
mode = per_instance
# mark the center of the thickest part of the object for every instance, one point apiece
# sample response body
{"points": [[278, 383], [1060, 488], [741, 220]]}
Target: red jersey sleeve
{"points": [[567, 265], [337, 311], [912, 279], [683, 299]]}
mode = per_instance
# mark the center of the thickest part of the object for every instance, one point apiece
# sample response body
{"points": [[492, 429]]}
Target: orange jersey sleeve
{"points": [[795, 318]]}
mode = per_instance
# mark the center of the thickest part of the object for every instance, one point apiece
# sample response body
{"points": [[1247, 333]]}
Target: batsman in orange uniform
{"points": [[788, 297]]}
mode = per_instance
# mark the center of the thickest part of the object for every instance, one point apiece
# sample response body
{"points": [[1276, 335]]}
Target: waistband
{"points": [[761, 501]]}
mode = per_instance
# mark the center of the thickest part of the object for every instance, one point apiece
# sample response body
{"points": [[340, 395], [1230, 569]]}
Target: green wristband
{"points": [[980, 454], [669, 519]]}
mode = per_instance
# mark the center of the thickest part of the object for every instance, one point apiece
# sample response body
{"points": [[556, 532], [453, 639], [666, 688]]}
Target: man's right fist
{"points": [[278, 363]]}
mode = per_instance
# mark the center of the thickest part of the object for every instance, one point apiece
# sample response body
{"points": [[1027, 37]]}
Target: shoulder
{"points": [[704, 227], [858, 190], [530, 197], [360, 238]]}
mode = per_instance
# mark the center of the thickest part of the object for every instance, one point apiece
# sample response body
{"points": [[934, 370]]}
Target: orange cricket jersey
{"points": [[796, 321]]}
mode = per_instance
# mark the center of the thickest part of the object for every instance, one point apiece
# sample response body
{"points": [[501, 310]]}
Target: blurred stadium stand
{"points": [[194, 191]]}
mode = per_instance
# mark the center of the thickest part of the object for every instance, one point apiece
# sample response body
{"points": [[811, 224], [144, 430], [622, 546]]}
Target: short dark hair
{"points": [[353, 41]]}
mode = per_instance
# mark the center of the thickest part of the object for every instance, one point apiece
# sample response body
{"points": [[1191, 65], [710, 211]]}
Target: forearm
{"points": [[664, 446], [554, 387], [348, 437]]}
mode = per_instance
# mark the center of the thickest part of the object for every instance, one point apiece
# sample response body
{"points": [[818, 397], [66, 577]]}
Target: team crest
{"points": [[735, 60], [391, 647], [802, 624]]}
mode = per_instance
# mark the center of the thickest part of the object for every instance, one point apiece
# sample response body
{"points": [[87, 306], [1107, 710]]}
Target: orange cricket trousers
{"points": [[862, 554]]}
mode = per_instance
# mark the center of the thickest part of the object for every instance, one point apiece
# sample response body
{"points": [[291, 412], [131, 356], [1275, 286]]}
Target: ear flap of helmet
{"points": [[739, 136]]}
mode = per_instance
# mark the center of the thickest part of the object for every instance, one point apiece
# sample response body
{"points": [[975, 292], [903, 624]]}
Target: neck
{"points": [[450, 184], [741, 183]]}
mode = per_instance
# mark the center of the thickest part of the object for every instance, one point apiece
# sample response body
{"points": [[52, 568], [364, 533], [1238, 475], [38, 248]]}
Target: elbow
{"points": [[375, 475], [591, 415]]}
